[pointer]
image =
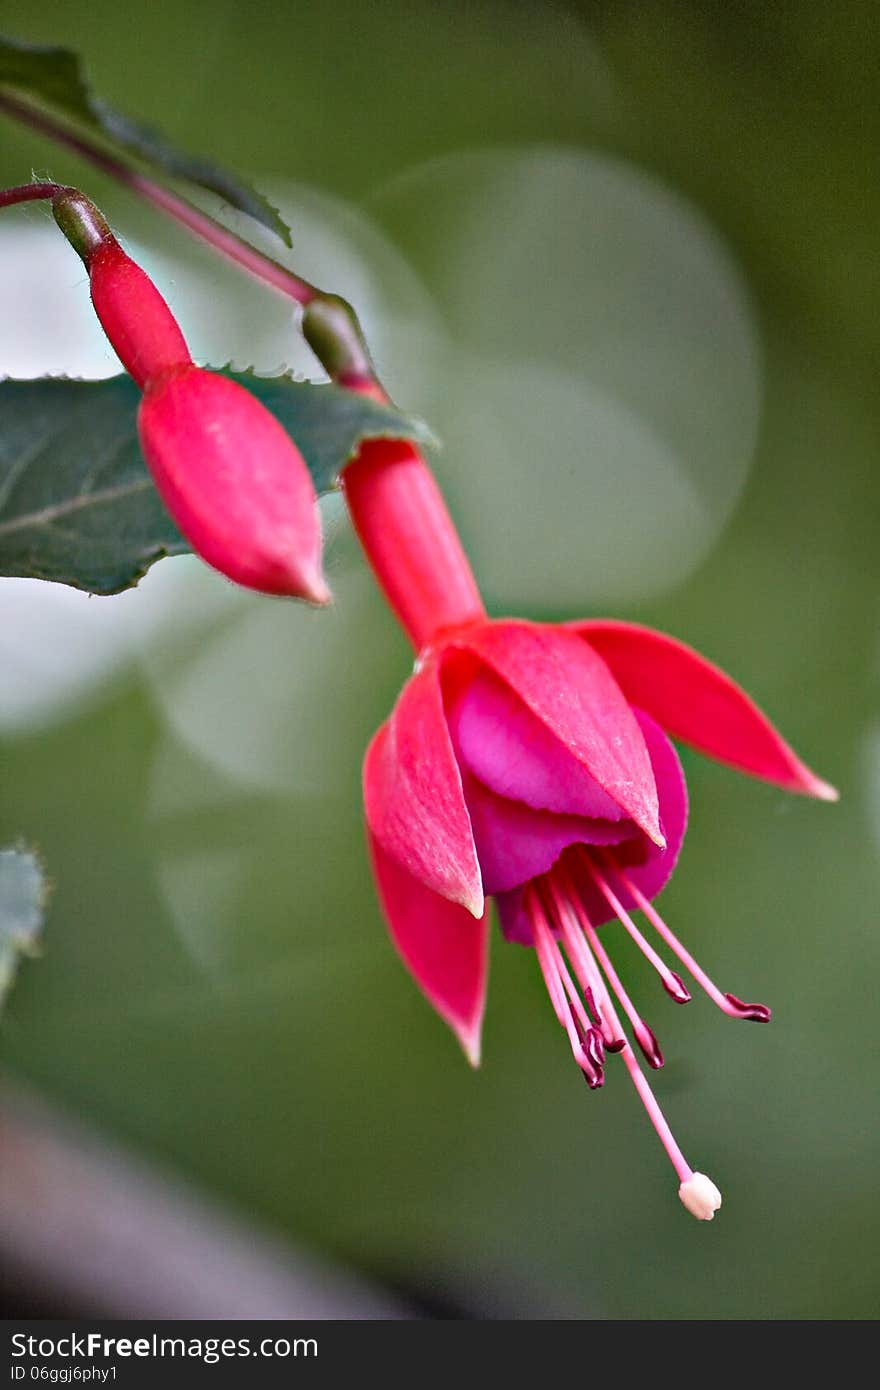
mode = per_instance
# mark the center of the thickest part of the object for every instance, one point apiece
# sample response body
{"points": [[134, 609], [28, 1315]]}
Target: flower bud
{"points": [[229, 474], [142, 329], [234, 482]]}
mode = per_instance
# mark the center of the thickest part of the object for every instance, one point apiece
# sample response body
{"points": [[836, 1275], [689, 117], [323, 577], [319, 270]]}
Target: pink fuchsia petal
{"points": [[578, 701], [516, 843], [509, 750], [234, 482], [695, 701], [445, 949], [514, 917], [647, 866], [413, 795]]}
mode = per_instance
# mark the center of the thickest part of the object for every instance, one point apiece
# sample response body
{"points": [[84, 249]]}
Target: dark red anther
{"points": [[676, 988], [649, 1045], [590, 1002], [754, 1013], [596, 1046]]}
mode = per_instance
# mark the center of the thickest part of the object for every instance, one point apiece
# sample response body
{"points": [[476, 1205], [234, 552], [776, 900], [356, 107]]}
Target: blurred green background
{"points": [[625, 259]]}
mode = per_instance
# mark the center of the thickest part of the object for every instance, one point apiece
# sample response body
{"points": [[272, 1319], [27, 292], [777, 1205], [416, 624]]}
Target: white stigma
{"points": [[700, 1195]]}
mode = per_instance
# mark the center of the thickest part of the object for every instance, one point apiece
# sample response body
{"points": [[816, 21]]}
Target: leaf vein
{"points": [[47, 516]]}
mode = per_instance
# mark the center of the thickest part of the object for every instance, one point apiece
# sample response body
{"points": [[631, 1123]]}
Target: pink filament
{"points": [[566, 912], [559, 984], [672, 983], [584, 965], [656, 1116], [645, 1038], [733, 1007]]}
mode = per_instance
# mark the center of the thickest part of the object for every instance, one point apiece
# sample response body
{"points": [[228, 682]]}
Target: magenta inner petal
{"points": [[647, 866], [513, 918], [502, 743], [516, 843]]}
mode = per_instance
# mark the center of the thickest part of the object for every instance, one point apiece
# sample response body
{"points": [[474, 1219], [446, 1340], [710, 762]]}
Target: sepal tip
{"points": [[471, 1041], [823, 791], [316, 590]]}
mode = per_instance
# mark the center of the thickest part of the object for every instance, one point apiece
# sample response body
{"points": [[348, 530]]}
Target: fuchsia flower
{"points": [[531, 763], [231, 477]]}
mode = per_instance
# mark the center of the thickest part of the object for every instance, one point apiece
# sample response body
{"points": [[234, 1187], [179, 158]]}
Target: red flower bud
{"points": [[229, 474], [234, 482]]}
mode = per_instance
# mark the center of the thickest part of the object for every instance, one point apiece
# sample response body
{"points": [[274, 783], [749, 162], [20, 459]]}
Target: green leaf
{"points": [[22, 902], [55, 76], [77, 504], [329, 423]]}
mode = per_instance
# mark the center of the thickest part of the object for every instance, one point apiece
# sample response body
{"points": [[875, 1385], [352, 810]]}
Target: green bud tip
{"points": [[80, 221], [331, 329]]}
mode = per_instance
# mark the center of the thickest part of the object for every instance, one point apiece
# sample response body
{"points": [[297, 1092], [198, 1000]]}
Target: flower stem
{"points": [[28, 193], [199, 223], [330, 325]]}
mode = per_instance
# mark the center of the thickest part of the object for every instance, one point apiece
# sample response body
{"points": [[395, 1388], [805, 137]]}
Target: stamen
{"points": [[655, 1115], [595, 1054], [574, 997], [644, 1037], [551, 978], [591, 1004], [590, 1038], [651, 1104], [596, 1046], [585, 966], [696, 1191], [576, 1025], [672, 983], [728, 1003]]}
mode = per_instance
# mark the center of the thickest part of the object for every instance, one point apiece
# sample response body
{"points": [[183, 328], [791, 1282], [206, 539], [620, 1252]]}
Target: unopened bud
{"points": [[234, 481], [229, 474], [331, 329]]}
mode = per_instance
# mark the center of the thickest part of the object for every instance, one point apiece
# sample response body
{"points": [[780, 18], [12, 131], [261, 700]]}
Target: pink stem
{"points": [[233, 247], [28, 193]]}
